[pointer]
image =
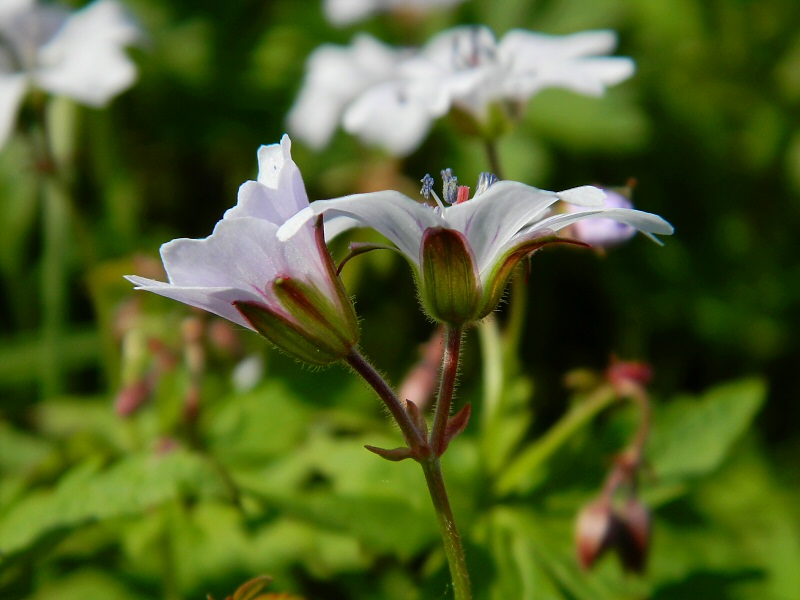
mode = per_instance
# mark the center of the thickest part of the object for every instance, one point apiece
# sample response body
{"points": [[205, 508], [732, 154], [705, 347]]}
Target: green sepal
{"points": [[498, 278], [312, 328], [450, 287]]}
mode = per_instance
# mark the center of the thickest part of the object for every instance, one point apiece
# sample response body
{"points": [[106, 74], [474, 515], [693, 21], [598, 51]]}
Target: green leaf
{"points": [[692, 437], [88, 494]]}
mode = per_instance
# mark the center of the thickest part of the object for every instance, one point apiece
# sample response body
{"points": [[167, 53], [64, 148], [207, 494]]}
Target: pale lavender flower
{"points": [[287, 291], [462, 255], [76, 54]]}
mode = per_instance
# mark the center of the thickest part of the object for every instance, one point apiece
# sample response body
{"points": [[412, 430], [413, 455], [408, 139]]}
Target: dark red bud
{"points": [[634, 540]]}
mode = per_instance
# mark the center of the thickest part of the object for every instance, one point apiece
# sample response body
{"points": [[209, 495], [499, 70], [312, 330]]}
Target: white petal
{"points": [[215, 300], [335, 76], [344, 12], [279, 192], [494, 217], [12, 89], [394, 215], [388, 116], [585, 195], [85, 60], [647, 223]]}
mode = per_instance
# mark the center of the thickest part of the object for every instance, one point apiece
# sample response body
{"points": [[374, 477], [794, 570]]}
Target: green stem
{"points": [[580, 414], [447, 526], [447, 385], [424, 453], [414, 438], [493, 157], [54, 287]]}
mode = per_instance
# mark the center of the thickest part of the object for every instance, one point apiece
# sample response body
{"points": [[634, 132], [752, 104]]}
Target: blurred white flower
{"points": [[390, 98], [345, 12], [76, 54], [474, 70]]}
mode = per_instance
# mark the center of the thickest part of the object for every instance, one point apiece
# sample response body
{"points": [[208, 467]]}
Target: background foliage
{"points": [[274, 479]]}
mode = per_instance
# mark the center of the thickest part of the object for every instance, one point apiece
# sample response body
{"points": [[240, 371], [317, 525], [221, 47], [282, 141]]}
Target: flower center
{"points": [[451, 191], [474, 49]]}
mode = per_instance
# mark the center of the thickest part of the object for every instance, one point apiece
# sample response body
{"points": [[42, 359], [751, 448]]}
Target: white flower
{"points": [[390, 98], [474, 70], [463, 255], [286, 291], [345, 12], [78, 54], [335, 77]]}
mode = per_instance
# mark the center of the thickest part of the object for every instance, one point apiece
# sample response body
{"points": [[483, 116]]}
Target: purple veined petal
{"points": [[645, 222], [85, 60], [12, 90], [392, 214], [215, 300], [494, 217]]}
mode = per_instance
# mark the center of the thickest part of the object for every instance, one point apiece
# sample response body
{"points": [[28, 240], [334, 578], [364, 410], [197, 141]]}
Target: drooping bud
{"points": [[450, 287], [595, 531], [634, 535]]}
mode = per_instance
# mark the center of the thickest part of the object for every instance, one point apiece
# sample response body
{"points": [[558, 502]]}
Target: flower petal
{"points": [[279, 192], [645, 222], [585, 195], [215, 300], [394, 215], [495, 216]]}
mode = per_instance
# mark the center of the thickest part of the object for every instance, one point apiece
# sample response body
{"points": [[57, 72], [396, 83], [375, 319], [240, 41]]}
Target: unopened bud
{"points": [[635, 530], [595, 530], [132, 397]]}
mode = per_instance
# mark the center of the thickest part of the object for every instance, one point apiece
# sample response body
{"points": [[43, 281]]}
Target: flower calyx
{"points": [[318, 326]]}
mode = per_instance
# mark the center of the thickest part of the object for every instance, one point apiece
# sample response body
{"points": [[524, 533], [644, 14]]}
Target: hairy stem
{"points": [[447, 385], [414, 438], [447, 526]]}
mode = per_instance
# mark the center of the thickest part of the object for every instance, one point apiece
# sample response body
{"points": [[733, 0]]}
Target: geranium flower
{"points": [[345, 12], [390, 98], [78, 54], [475, 70], [462, 255], [288, 291]]}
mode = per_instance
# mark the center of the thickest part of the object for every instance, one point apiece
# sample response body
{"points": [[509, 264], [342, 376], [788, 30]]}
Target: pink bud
{"points": [[132, 397], [634, 539], [595, 530]]}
